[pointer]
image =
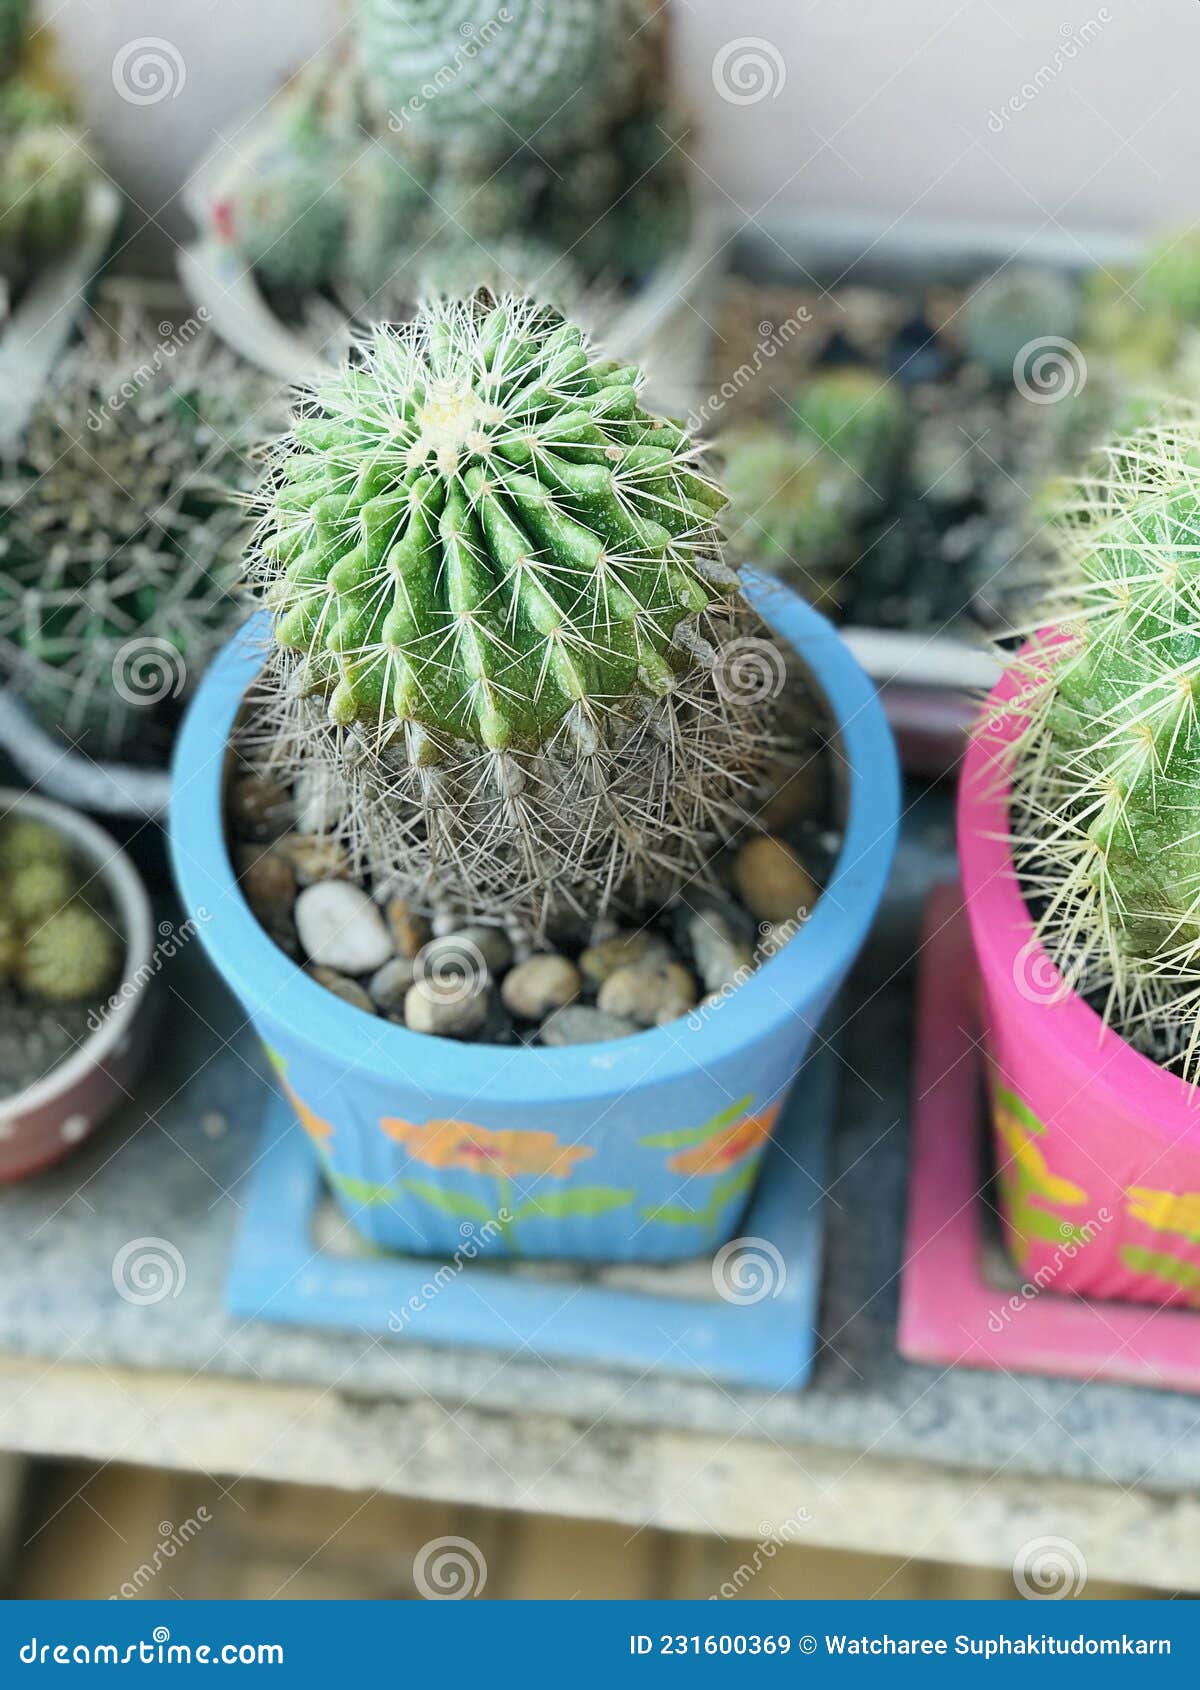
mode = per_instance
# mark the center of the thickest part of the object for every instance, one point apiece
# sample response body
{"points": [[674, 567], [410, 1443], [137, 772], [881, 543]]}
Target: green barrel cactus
{"points": [[120, 531], [499, 601], [1107, 787], [44, 174], [72, 955], [530, 70]]}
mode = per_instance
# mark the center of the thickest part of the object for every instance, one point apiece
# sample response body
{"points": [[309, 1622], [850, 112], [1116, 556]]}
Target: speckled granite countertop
{"points": [[175, 1166]]}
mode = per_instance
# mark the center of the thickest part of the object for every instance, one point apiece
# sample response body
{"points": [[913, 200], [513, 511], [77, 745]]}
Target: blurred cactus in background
{"points": [[44, 174], [1004, 318], [120, 534], [461, 124]]}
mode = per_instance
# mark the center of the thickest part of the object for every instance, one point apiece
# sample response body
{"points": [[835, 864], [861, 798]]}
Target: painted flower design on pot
{"points": [[511, 1151], [726, 1148], [507, 1155], [318, 1129]]}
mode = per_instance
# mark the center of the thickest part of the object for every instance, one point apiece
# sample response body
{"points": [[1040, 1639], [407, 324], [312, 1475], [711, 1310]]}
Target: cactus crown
{"points": [[481, 531], [501, 613], [1106, 807]]}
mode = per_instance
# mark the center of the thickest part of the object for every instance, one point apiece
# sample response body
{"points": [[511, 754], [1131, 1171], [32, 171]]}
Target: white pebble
{"points": [[341, 928]]}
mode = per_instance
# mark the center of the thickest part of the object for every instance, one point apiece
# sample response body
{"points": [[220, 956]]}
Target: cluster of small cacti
{"points": [[56, 945], [462, 128], [1106, 814], [501, 609], [120, 533]]}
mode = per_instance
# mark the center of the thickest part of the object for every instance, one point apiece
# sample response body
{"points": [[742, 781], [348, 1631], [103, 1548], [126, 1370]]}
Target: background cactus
{"points": [[499, 604], [119, 537], [14, 22], [1013, 308], [1106, 813], [44, 173], [533, 70], [56, 946]]}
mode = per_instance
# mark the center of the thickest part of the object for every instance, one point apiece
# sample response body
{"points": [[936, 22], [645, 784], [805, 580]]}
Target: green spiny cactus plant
{"points": [[72, 955], [44, 174], [792, 507], [1011, 310], [526, 71], [38, 889], [499, 603], [25, 841], [119, 533], [14, 24], [1106, 813], [857, 414], [287, 214]]}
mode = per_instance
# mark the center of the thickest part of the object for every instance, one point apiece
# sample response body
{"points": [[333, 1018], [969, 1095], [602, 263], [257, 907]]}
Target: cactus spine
{"points": [[489, 562], [1106, 809]]}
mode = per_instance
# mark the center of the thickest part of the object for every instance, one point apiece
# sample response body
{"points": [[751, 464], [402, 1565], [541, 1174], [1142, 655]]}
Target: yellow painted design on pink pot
{"points": [[1027, 1181], [508, 1151], [1167, 1211]]}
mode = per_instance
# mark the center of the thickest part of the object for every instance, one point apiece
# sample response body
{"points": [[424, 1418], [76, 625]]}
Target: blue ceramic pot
{"points": [[642, 1149]]}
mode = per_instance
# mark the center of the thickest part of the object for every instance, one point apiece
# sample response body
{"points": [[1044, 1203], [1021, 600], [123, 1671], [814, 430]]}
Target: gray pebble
{"points": [[578, 1024], [389, 985], [454, 1012], [721, 957], [650, 993], [341, 928], [348, 990], [599, 961], [542, 984]]}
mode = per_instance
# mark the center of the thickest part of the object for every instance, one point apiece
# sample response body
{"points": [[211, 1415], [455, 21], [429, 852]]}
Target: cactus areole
{"points": [[479, 530]]}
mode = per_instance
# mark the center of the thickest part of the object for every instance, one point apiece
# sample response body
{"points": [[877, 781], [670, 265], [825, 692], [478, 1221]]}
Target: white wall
{"points": [[900, 107]]}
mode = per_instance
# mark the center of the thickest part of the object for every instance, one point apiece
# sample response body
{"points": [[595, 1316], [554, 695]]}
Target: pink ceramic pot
{"points": [[1098, 1147], [43, 1122]]}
